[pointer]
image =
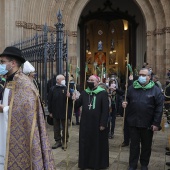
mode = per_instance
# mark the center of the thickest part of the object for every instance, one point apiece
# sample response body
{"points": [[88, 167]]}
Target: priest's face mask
{"points": [[92, 82]]}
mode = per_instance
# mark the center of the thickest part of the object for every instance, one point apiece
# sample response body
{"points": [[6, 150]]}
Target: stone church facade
{"points": [[20, 19]]}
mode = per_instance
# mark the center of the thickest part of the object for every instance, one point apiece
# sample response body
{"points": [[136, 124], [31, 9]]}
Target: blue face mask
{"points": [[142, 80], [3, 70]]}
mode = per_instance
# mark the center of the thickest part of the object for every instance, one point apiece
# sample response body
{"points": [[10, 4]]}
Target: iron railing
{"points": [[47, 52]]}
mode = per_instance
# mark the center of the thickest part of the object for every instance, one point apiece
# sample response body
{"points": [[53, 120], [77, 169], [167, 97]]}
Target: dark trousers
{"points": [[139, 136], [77, 113], [59, 126], [112, 120], [126, 132]]}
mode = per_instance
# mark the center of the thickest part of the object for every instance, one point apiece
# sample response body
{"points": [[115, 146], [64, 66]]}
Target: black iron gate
{"points": [[47, 52]]}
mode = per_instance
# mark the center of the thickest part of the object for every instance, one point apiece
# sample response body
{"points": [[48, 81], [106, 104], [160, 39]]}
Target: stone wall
{"points": [[37, 12]]}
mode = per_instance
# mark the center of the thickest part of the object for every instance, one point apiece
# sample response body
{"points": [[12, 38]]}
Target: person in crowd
{"points": [[29, 70], [2, 84], [93, 136], [145, 106], [51, 83], [70, 104], [115, 96], [168, 73], [22, 122], [57, 100], [145, 65], [155, 79]]}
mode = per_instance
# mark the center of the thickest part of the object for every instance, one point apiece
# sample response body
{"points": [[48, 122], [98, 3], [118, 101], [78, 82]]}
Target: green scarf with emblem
{"points": [[137, 85], [95, 91]]}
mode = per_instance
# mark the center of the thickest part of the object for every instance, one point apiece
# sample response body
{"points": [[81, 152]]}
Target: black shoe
{"points": [[131, 168], [56, 145], [124, 144], [111, 135], [77, 123], [144, 168], [168, 163], [167, 153]]}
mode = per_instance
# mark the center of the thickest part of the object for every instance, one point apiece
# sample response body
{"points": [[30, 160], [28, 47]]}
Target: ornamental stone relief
{"points": [[33, 26]]}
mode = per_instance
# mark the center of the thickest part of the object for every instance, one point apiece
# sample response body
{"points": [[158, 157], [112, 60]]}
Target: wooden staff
{"points": [[124, 109], [85, 76], [68, 154], [66, 121], [101, 78]]}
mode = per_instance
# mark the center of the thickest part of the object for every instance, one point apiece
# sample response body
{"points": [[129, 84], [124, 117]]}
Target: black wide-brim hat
{"points": [[14, 53]]}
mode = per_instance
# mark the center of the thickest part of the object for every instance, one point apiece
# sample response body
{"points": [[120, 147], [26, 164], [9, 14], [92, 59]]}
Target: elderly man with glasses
{"points": [[144, 113]]}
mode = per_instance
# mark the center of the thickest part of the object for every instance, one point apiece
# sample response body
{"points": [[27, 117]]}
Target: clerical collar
{"points": [[10, 78]]}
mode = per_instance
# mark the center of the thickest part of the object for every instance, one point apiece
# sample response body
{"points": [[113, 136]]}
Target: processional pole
{"points": [[125, 99]]}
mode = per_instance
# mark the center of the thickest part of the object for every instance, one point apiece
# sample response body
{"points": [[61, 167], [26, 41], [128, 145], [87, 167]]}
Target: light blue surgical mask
{"points": [[142, 79], [3, 69]]}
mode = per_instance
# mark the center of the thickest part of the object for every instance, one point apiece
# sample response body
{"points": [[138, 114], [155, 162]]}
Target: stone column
{"points": [[160, 57], [150, 49], [167, 49], [72, 51]]}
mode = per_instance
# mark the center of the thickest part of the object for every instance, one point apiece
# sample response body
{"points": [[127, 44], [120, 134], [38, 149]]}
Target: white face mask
{"points": [[107, 84], [63, 82]]}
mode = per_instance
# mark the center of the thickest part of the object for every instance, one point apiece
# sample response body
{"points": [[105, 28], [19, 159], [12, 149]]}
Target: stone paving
{"points": [[157, 161]]}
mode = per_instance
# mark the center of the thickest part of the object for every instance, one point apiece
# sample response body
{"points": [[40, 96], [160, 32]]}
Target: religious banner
{"points": [[100, 58], [112, 59], [89, 59]]}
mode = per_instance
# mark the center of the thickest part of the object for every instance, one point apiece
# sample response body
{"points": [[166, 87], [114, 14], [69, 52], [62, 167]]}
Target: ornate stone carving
{"points": [[33, 26], [74, 33], [149, 33], [167, 29], [159, 32]]}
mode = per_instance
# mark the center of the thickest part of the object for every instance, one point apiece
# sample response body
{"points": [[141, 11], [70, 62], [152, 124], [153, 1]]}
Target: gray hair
{"points": [[149, 72], [58, 77]]}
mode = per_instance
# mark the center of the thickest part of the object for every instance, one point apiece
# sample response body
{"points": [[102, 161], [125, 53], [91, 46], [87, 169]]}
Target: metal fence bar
{"points": [[47, 52]]}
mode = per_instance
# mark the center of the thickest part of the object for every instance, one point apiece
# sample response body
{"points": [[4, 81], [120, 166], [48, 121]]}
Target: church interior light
{"points": [[125, 23]]}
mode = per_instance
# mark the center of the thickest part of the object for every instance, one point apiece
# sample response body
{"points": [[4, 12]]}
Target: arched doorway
{"points": [[116, 31]]}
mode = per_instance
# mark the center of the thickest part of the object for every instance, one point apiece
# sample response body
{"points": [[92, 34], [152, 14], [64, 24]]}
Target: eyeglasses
{"points": [[143, 75]]}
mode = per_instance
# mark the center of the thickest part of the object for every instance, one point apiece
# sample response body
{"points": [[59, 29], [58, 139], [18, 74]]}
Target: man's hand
{"points": [[154, 128], [1, 108], [112, 88], [68, 94], [102, 128], [124, 104], [75, 95], [131, 77], [51, 115]]}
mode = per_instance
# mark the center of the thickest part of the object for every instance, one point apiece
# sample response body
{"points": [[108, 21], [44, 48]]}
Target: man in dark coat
{"points": [[57, 100], [144, 105], [93, 137]]}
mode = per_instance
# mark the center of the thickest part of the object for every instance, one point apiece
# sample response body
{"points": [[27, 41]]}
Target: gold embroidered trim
{"points": [[32, 131], [10, 85]]}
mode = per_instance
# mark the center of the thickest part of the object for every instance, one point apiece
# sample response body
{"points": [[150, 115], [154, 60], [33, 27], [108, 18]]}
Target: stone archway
{"points": [[156, 16]]}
